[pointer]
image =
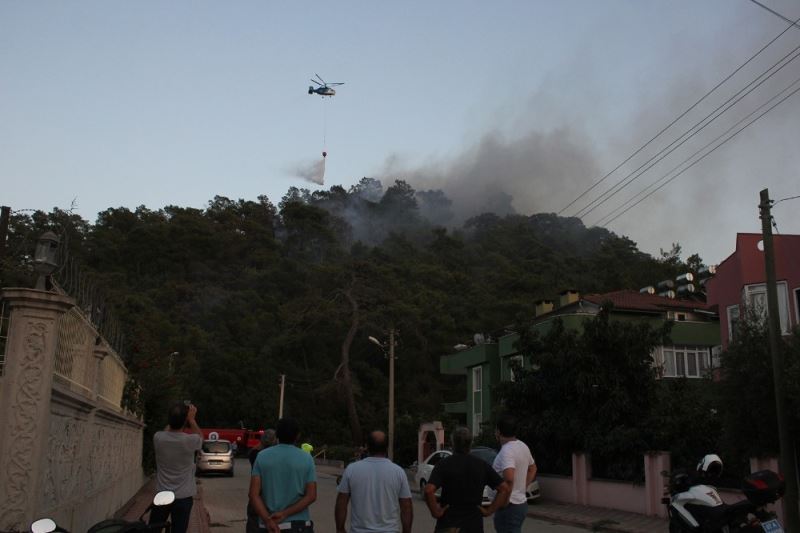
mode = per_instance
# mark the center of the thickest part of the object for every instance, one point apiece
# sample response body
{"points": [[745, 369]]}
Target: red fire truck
{"points": [[243, 438]]}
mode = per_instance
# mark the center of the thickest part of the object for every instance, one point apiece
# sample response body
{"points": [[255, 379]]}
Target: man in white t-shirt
{"points": [[377, 491], [516, 466]]}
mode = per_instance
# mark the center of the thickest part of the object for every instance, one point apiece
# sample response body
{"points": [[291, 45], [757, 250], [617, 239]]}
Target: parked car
{"points": [[488, 455], [215, 456]]}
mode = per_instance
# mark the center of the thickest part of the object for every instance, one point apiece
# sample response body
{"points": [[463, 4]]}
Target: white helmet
{"points": [[710, 466]]}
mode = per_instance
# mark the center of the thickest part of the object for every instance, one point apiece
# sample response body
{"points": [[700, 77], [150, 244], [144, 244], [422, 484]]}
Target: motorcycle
{"points": [[694, 506], [115, 525]]}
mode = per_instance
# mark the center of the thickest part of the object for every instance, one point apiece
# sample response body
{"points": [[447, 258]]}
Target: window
{"points": [[477, 399], [797, 306], [733, 321], [515, 361], [688, 361], [755, 298], [438, 456]]}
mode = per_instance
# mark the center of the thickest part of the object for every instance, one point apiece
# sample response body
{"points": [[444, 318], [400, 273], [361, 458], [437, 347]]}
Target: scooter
{"points": [[114, 525], [696, 507]]}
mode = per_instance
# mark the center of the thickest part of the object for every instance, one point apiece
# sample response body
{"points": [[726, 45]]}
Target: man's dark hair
{"points": [[462, 439], [287, 430], [377, 443], [507, 425], [177, 415]]}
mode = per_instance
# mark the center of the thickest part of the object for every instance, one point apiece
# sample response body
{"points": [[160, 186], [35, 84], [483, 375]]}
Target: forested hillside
{"points": [[245, 290]]}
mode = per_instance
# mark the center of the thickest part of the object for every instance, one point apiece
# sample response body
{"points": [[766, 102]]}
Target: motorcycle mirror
{"points": [[43, 525], [165, 497]]}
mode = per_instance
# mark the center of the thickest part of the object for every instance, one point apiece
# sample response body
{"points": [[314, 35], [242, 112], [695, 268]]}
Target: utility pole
{"points": [[280, 405], [5, 214], [390, 344], [391, 393], [787, 457]]}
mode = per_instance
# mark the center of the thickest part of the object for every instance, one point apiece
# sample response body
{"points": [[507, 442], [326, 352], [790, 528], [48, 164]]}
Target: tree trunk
{"points": [[347, 383]]}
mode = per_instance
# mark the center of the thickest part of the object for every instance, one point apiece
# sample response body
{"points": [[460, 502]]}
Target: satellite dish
{"points": [[478, 338], [213, 436]]}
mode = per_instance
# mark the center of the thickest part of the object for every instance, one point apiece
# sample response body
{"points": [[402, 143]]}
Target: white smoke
{"points": [[312, 171]]}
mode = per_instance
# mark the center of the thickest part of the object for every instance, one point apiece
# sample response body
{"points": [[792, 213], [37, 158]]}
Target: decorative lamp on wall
{"points": [[44, 258]]}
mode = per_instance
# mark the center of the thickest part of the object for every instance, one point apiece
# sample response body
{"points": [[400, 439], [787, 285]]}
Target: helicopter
{"points": [[324, 88]]}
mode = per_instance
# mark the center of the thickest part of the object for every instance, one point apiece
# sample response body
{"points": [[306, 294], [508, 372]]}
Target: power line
{"points": [[784, 199], [688, 134], [793, 23], [640, 193], [670, 180], [690, 108]]}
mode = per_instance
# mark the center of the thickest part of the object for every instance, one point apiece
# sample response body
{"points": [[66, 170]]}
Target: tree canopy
{"points": [[244, 290]]}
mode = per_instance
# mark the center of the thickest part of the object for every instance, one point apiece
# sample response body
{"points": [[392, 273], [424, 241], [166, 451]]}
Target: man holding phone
{"points": [[175, 451]]}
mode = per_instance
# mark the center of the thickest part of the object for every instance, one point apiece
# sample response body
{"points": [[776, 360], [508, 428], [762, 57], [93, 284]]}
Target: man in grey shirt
{"points": [[377, 491], [175, 451]]}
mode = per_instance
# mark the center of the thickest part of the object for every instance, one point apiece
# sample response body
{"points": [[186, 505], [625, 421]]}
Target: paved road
{"points": [[226, 499]]}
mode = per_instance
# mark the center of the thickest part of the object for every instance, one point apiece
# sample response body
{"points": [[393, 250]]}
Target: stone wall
{"points": [[69, 450]]}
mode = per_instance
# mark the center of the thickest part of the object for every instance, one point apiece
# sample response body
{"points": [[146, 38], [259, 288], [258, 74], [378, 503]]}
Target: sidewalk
{"points": [[198, 522], [595, 518]]}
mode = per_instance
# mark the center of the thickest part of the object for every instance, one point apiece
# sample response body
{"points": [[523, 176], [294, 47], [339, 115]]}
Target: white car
{"points": [[425, 468], [215, 456]]}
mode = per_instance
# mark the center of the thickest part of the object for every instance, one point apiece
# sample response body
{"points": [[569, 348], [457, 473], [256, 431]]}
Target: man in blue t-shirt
{"points": [[284, 483], [377, 491]]}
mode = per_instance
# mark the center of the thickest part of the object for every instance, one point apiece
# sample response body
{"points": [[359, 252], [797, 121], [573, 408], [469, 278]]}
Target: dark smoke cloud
{"points": [[503, 175]]}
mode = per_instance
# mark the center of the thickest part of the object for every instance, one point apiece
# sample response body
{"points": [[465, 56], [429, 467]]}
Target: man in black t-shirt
{"points": [[462, 477]]}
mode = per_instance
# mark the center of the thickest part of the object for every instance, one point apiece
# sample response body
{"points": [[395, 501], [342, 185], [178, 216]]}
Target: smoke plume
{"points": [[311, 171], [530, 174]]}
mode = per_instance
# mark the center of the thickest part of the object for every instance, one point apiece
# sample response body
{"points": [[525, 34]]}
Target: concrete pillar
{"points": [[100, 352], [581, 472], [654, 464], [25, 400]]}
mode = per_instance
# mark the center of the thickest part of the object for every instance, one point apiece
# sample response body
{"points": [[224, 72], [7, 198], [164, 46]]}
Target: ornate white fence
{"points": [[68, 450]]}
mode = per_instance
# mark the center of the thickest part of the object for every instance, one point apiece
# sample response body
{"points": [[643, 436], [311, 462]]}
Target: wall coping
{"points": [[102, 409], [19, 296]]}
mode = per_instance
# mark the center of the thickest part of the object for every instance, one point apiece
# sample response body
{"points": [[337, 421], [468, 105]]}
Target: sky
{"points": [[506, 105]]}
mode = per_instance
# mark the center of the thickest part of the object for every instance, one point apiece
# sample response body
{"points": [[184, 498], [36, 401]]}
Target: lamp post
{"points": [[44, 258], [172, 361], [390, 345]]}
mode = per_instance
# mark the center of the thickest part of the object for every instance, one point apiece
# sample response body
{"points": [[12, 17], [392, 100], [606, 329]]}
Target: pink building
{"points": [[740, 282]]}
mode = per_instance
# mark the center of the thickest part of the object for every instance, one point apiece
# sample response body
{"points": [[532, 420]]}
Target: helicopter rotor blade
{"points": [[335, 84], [315, 81], [320, 78]]}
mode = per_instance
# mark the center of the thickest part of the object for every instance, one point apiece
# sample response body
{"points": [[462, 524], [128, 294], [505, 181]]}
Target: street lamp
{"points": [[390, 345], [44, 258], [172, 361]]}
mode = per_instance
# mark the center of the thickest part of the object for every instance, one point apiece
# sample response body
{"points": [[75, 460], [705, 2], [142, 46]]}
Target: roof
{"points": [[629, 300]]}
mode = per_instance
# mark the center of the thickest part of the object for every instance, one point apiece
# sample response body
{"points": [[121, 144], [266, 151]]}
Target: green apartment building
{"points": [[695, 341]]}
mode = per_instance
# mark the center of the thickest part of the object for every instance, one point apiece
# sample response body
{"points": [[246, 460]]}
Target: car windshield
{"points": [[216, 446], [486, 454]]}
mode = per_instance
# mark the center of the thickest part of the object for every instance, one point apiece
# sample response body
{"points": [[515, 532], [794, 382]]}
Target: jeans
{"points": [[297, 526], [179, 511], [510, 518]]}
